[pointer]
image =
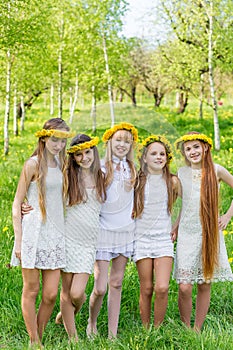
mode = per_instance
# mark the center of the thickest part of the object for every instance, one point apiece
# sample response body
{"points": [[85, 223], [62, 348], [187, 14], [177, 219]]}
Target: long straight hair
{"points": [[42, 165], [208, 212], [139, 189], [76, 189]]}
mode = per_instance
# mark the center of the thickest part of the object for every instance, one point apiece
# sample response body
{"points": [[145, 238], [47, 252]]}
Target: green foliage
{"points": [[218, 329]]}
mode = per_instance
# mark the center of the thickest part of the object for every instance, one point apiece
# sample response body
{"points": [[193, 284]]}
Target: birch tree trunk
{"points": [[211, 74], [201, 96], [16, 129], [109, 82], [22, 119], [52, 99], [7, 103], [60, 97], [93, 109], [73, 105]]}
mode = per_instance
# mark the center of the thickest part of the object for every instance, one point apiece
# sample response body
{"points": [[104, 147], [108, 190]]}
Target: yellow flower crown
{"points": [[54, 132], [192, 137], [85, 145], [122, 126], [159, 138]]}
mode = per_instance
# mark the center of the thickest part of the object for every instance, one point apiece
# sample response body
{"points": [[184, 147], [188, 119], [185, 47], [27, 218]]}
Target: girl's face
{"points": [[193, 151], [84, 158], [121, 143], [155, 158], [55, 145]]}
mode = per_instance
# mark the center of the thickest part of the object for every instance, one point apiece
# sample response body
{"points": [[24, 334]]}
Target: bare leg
{"points": [[72, 299], [202, 304], [114, 294], [31, 286], [185, 303], [162, 268], [145, 273], [50, 281], [97, 295]]}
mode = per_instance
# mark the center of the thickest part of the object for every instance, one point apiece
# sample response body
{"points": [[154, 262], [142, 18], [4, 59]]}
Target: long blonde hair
{"points": [[129, 158], [139, 188], [208, 211], [42, 166]]}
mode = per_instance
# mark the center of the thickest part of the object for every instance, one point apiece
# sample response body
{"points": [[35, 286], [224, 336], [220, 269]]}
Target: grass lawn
{"points": [[218, 328]]}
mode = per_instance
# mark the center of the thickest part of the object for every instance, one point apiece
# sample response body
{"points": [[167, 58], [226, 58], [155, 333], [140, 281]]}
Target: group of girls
{"points": [[112, 213]]}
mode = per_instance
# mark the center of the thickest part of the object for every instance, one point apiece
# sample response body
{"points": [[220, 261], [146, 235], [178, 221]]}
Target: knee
{"points": [[161, 290], [185, 290], [31, 290], [115, 283], [146, 291], [50, 297], [77, 296], [100, 291]]}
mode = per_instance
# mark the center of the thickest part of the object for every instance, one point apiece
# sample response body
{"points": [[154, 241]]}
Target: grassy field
{"points": [[218, 328]]}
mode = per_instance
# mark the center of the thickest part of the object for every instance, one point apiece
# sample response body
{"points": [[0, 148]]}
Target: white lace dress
{"points": [[43, 244], [116, 223], [81, 232], [188, 259], [153, 229]]}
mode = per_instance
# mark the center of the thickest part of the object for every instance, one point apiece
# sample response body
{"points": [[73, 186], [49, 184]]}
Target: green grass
{"points": [[218, 327]]}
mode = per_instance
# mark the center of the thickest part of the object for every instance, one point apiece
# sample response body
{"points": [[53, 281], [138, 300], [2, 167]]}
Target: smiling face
{"points": [[193, 151], [121, 143], [84, 158], [155, 158]]}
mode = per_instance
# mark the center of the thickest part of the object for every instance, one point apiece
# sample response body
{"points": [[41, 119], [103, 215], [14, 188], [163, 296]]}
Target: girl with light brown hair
{"points": [[201, 255], [39, 237]]}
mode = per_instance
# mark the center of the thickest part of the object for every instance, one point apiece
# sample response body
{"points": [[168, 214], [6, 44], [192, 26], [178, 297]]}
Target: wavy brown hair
{"points": [[139, 188], [76, 189], [129, 158], [42, 166], [208, 211]]}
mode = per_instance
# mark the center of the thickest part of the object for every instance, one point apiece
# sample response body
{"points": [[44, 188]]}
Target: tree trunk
{"points": [[7, 103], [52, 99], [133, 96], [201, 96], [110, 95], [183, 102], [93, 110], [73, 105], [60, 83], [22, 119], [16, 129], [211, 79]]}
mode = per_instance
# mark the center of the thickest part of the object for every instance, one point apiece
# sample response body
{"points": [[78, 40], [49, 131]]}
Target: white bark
{"points": [[7, 103], [60, 83], [109, 82], [15, 127], [51, 99], [93, 109], [73, 105]]}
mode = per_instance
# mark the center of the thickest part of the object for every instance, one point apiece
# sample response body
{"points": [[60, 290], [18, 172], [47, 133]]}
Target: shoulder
{"points": [[223, 174], [31, 164], [183, 170]]}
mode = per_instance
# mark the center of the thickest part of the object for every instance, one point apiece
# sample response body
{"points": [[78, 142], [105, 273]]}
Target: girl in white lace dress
{"points": [[155, 192], [115, 241], [86, 192], [39, 236], [201, 253]]}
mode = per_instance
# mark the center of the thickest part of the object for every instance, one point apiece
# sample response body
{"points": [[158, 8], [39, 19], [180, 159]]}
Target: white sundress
{"points": [[43, 244], [188, 258]]}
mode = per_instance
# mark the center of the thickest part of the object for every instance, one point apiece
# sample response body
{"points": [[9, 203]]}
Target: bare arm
{"points": [[224, 175], [27, 175], [177, 186]]}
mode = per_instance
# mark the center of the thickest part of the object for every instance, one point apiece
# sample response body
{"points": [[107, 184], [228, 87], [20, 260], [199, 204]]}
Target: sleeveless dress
{"points": [[43, 244], [188, 259], [81, 232], [152, 237], [116, 224]]}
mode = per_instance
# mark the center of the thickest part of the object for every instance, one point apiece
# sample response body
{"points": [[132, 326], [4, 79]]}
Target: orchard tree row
{"points": [[77, 45]]}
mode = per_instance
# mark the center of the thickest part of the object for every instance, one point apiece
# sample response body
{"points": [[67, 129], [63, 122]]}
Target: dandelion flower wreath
{"points": [[85, 145], [159, 138], [192, 137], [122, 126]]}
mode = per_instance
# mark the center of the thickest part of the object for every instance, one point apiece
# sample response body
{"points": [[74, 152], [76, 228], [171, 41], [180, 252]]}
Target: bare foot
{"points": [[58, 319], [91, 330]]}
